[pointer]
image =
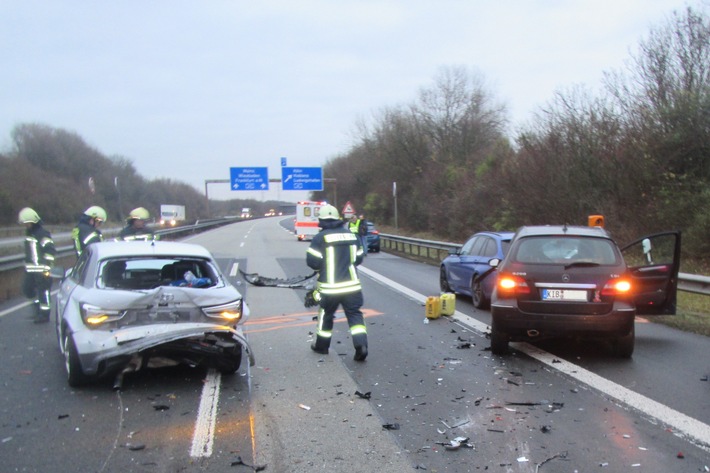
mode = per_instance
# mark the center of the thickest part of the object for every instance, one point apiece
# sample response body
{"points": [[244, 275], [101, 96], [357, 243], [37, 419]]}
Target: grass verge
{"points": [[693, 314]]}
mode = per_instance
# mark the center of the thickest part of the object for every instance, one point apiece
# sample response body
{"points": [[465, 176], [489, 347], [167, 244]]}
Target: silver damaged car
{"points": [[126, 306]]}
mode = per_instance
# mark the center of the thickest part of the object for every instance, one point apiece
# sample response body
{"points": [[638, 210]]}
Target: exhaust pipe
{"points": [[118, 381], [532, 333], [132, 366]]}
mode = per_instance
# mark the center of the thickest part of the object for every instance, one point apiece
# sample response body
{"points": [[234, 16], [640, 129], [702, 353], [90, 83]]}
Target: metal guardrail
{"points": [[436, 251], [17, 261], [428, 250]]}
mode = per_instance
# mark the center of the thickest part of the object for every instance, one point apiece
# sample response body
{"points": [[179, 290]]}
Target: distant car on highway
{"points": [[131, 305], [373, 237], [467, 270], [564, 281]]}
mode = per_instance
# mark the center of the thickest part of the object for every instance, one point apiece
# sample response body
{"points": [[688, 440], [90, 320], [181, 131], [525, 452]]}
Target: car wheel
{"points": [[376, 249], [443, 281], [229, 363], [477, 295], [75, 375], [624, 345], [499, 343]]}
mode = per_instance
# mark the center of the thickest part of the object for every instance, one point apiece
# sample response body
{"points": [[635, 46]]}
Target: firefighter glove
{"points": [[312, 298]]}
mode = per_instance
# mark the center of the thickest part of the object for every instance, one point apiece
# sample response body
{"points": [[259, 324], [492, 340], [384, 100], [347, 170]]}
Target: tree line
{"points": [[58, 174], [637, 151]]}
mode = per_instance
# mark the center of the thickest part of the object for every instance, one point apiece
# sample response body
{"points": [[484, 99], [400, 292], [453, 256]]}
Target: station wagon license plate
{"points": [[564, 295]]}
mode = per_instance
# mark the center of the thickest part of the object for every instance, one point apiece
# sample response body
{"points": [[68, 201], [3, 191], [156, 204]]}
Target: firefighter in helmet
{"points": [[335, 252], [39, 259], [135, 228], [87, 230]]}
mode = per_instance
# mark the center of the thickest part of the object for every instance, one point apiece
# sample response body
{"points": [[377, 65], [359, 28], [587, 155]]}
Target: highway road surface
{"points": [[556, 407]]}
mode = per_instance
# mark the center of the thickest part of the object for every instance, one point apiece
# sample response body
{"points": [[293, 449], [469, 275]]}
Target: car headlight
{"points": [[94, 316], [231, 312]]}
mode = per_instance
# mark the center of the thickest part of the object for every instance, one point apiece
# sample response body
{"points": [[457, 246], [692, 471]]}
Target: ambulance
{"points": [[306, 224]]}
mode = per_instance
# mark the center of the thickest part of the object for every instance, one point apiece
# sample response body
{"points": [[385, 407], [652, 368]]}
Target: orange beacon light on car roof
{"points": [[595, 221]]}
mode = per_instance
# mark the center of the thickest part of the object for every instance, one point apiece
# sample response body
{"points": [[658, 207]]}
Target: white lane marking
{"points": [[241, 245], [203, 436], [696, 431], [235, 269], [15, 308]]}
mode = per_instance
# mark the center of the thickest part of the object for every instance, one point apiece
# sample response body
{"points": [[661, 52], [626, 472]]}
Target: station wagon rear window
{"points": [[566, 250]]}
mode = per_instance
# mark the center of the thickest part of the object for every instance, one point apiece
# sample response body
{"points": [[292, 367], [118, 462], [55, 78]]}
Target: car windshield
{"points": [[566, 250], [150, 272]]}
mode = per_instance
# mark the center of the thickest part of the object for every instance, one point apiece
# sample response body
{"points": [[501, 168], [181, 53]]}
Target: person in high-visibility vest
{"points": [[335, 252], [358, 225], [39, 259]]}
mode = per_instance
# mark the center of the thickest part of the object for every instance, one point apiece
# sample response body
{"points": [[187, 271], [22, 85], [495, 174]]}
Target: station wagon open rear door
{"points": [[654, 262]]}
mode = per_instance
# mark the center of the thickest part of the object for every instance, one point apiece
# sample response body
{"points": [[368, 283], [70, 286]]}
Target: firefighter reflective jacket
{"points": [[39, 250], [131, 233], [335, 252], [85, 234]]}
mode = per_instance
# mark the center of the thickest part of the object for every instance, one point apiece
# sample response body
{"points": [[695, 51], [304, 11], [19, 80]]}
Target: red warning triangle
{"points": [[348, 209]]}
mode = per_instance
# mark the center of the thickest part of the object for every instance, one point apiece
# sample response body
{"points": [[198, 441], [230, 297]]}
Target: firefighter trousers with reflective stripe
{"points": [[351, 303], [37, 286]]}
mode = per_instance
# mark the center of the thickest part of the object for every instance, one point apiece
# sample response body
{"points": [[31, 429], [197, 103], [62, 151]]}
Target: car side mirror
{"points": [[493, 263], [57, 272], [454, 251]]}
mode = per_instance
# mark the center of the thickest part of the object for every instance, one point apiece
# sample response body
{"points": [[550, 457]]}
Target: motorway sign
{"points": [[249, 179], [301, 179]]}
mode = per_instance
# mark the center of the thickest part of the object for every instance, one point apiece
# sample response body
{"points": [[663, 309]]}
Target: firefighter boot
{"points": [[321, 345], [42, 317], [360, 353], [359, 342], [36, 313]]}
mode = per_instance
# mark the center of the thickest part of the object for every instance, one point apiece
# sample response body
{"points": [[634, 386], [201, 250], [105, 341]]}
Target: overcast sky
{"points": [[188, 89]]}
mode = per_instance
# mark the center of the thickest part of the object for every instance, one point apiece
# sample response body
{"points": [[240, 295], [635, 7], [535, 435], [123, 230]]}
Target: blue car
{"points": [[373, 237], [466, 270]]}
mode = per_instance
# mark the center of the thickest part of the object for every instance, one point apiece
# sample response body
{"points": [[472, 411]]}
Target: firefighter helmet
{"points": [[139, 213], [28, 215], [96, 212], [328, 212]]}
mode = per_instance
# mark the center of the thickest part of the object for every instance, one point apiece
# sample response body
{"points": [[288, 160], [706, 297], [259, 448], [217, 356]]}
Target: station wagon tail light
{"points": [[231, 312], [616, 287], [95, 316], [508, 284]]}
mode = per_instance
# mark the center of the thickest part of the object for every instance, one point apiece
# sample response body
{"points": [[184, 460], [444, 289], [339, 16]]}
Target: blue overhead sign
{"points": [[249, 179], [301, 179]]}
